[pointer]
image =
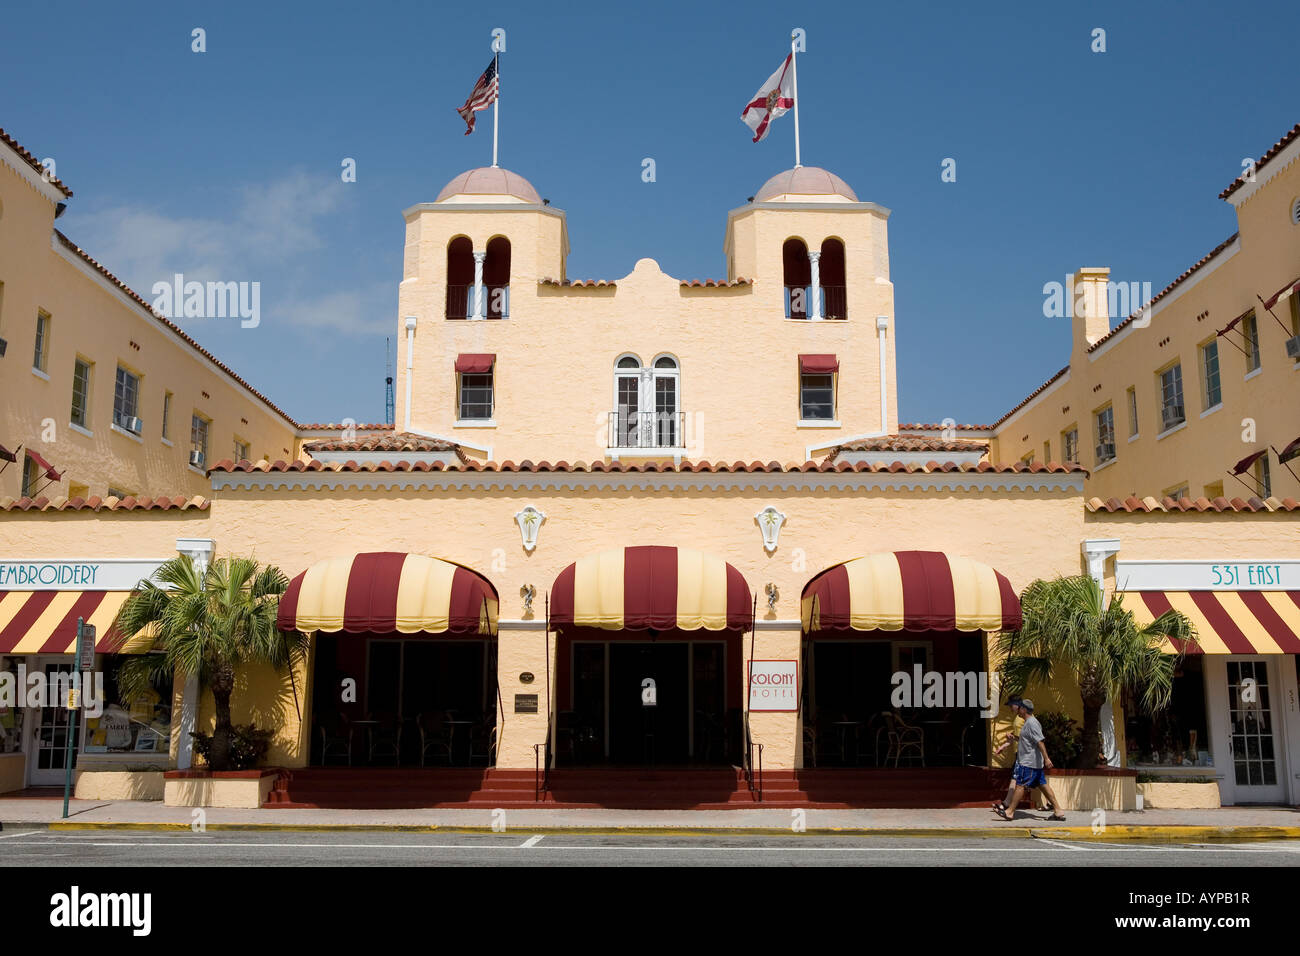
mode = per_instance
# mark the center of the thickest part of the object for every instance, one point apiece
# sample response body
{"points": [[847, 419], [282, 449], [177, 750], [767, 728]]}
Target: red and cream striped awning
{"points": [[652, 587], [910, 591], [386, 591], [1227, 622], [45, 622]]}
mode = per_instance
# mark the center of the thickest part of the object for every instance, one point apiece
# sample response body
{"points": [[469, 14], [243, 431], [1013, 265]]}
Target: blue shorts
{"points": [[1029, 776]]}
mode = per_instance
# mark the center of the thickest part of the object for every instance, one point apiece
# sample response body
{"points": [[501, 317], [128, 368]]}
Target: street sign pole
{"points": [[84, 663]]}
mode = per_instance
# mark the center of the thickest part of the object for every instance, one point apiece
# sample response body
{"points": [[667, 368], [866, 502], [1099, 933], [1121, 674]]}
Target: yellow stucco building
{"points": [[599, 560]]}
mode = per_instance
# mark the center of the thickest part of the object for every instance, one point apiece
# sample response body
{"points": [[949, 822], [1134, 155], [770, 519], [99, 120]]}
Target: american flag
{"points": [[481, 97]]}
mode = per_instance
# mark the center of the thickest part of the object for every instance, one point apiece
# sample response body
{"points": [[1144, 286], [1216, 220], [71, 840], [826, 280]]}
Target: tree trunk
{"points": [[223, 685]]}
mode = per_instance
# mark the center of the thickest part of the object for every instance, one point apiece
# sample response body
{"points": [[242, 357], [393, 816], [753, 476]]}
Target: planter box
{"points": [[245, 789], [118, 784], [1172, 795], [13, 771], [1107, 788]]}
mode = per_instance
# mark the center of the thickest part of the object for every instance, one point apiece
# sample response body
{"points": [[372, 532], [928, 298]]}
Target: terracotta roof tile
{"points": [[578, 283], [1280, 145], [135, 297], [715, 283], [1149, 505], [340, 427], [911, 443], [398, 442], [33, 162], [614, 467], [939, 426], [96, 503]]}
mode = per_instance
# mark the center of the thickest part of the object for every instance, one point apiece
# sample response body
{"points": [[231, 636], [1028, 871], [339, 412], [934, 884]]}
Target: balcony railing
{"points": [[834, 301], [496, 301], [647, 429]]}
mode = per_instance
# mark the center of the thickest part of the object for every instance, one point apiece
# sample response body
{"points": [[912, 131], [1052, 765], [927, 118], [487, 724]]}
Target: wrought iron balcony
{"points": [[647, 429], [834, 301], [496, 301]]}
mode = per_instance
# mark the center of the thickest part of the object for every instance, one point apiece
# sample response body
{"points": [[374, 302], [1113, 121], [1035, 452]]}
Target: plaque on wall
{"points": [[525, 703]]}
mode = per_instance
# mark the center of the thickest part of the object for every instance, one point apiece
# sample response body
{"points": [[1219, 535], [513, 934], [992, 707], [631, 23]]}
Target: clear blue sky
{"points": [[226, 164]]}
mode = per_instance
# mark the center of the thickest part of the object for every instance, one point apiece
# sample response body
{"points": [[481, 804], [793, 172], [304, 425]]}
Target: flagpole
{"points": [[794, 70], [496, 106]]}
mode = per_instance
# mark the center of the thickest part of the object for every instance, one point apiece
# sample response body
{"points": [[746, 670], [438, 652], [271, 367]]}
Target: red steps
{"points": [[633, 788]]}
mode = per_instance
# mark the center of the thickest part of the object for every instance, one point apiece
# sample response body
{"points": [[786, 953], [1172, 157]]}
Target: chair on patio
{"points": [[385, 739], [710, 736], [483, 742], [810, 745], [335, 739], [904, 739], [435, 736], [869, 737]]}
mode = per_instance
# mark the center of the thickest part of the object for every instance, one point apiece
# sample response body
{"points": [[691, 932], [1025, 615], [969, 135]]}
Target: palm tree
{"points": [[209, 625], [1068, 628]]}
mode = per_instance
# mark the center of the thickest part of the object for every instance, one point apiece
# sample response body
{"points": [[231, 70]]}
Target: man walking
{"points": [[1032, 762]]}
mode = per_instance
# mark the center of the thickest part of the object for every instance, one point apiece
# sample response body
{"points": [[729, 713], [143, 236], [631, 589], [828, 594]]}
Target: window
{"points": [[1177, 735], [1132, 412], [816, 397], [476, 396], [797, 272], [1211, 393], [167, 414], [1047, 452], [1250, 340], [1263, 478], [241, 449], [198, 440], [32, 473], [126, 400], [80, 393], [41, 360], [118, 492], [647, 404], [1180, 490], [1171, 397], [139, 726], [1027, 458], [667, 430], [1105, 429], [1070, 445]]}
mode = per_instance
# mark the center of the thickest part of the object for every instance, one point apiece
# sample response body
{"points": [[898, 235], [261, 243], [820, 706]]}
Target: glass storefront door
{"points": [[49, 735], [1256, 753]]}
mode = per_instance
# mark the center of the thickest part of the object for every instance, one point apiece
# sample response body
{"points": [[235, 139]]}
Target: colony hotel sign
{"points": [[1234, 575], [774, 685], [104, 575]]}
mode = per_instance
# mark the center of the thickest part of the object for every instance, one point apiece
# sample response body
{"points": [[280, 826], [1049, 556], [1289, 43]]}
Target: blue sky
{"points": [[226, 164]]}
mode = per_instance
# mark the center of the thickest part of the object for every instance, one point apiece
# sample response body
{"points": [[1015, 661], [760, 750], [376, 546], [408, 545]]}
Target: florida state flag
{"points": [[774, 98]]}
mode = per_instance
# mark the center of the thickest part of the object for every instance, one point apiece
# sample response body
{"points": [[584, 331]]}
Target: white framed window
{"points": [[816, 397], [1211, 388], [241, 449], [1170, 391], [1250, 341], [32, 473], [41, 358], [1132, 412], [199, 428], [81, 392], [1263, 477], [1104, 428], [647, 404], [1180, 490], [476, 398], [126, 400], [1070, 445]]}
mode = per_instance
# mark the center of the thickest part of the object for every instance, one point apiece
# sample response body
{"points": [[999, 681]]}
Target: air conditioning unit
{"points": [[196, 459], [1292, 347], [1172, 415], [3, 345], [133, 425], [1106, 451]]}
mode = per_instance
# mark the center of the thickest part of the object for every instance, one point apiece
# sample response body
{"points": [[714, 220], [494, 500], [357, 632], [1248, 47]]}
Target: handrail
{"points": [[755, 788]]}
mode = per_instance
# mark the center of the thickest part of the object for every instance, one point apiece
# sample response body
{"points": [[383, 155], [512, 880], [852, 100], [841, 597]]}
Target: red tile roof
{"points": [[399, 442], [578, 283], [911, 443], [33, 162], [339, 427], [939, 426], [715, 283], [1280, 145], [135, 297], [596, 467], [1184, 505], [96, 503]]}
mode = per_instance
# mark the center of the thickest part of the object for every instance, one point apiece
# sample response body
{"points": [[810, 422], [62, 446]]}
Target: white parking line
{"points": [[20, 833], [531, 841]]}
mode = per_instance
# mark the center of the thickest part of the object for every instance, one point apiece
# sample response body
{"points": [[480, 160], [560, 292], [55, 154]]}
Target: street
{"points": [[371, 848]]}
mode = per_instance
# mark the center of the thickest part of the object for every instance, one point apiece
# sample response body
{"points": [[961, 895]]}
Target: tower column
{"points": [[478, 284], [815, 309]]}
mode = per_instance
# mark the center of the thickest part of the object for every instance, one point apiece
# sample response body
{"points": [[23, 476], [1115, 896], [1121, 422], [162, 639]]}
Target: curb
{"points": [[1157, 834]]}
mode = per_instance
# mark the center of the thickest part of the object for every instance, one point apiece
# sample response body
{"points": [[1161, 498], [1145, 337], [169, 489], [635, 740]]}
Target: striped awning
{"points": [[385, 591], [652, 587], [45, 622], [910, 591], [1227, 622]]}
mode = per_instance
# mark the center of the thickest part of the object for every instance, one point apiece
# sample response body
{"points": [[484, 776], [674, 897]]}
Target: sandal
{"points": [[1057, 816], [999, 805], [1000, 811]]}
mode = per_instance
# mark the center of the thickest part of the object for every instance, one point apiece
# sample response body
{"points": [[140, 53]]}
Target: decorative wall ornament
{"points": [[530, 522], [528, 592], [769, 522], [773, 595]]}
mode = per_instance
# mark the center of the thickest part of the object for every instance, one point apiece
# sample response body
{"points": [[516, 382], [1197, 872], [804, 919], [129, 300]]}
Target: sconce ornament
{"points": [[769, 523], [528, 592], [530, 522], [773, 595]]}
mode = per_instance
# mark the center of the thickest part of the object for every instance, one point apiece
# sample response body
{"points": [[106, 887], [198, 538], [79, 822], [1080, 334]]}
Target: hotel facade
{"points": [[605, 556]]}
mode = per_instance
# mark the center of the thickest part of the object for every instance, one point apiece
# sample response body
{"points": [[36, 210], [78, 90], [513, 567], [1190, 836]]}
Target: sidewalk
{"points": [[1229, 823]]}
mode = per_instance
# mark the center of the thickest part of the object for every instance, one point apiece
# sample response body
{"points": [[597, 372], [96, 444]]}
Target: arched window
{"points": [[460, 278], [496, 279], [797, 278], [834, 289], [647, 404]]}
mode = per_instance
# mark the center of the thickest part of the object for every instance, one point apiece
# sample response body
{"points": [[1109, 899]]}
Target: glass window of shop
{"points": [[140, 725], [1176, 736], [11, 715]]}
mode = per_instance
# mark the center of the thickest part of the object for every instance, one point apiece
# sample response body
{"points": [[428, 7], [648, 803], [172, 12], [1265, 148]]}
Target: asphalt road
{"points": [[340, 849]]}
